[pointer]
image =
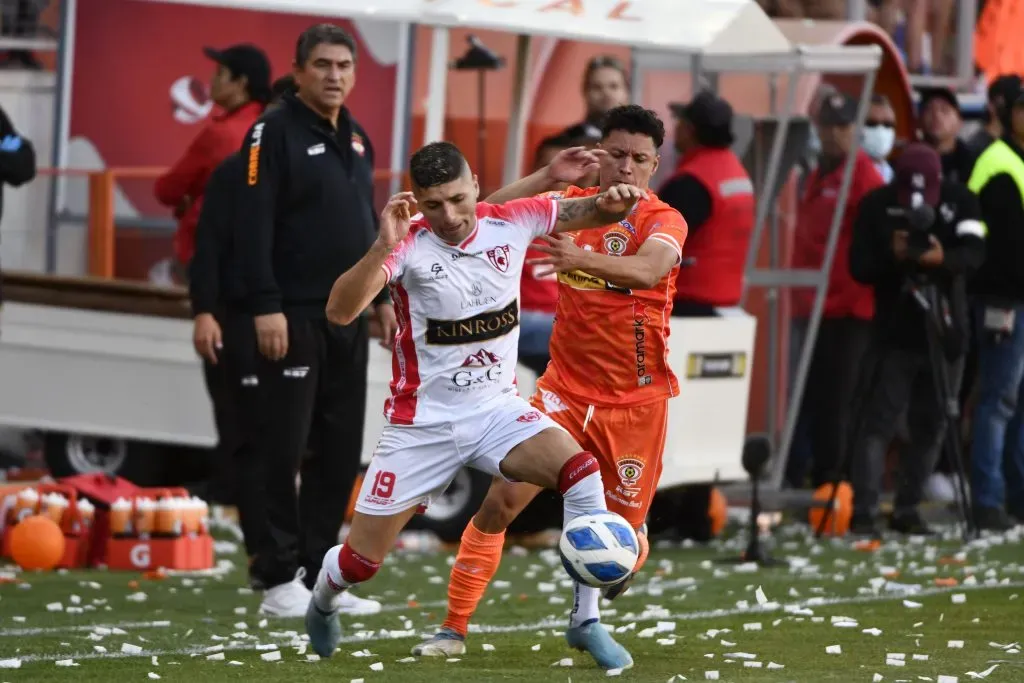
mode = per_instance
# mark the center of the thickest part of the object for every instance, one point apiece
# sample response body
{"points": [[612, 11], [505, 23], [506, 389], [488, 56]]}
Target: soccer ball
{"points": [[599, 548]]}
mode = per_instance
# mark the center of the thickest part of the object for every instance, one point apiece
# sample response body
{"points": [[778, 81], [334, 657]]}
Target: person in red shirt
{"points": [[845, 330], [240, 87]]}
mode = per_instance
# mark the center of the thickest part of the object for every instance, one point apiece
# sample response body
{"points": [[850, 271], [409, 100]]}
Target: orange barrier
{"points": [[101, 216]]}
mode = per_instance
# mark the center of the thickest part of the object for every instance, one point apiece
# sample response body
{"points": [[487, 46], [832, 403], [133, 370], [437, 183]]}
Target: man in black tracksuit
{"points": [[902, 263], [224, 338], [306, 215]]}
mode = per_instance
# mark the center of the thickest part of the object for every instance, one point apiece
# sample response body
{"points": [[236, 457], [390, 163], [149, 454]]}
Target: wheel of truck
{"points": [[450, 512], [71, 454]]}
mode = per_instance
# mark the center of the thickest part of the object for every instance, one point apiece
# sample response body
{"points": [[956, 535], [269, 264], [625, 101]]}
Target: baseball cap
{"points": [[918, 170], [245, 60], [710, 116], [837, 110], [945, 94], [1004, 89]]}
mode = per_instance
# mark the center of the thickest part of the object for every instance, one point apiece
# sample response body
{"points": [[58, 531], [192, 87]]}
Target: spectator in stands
{"points": [[931, 17], [713, 191], [879, 134], [223, 337], [846, 323], [939, 112], [17, 163], [20, 19], [1001, 90], [605, 86], [241, 88], [997, 453]]}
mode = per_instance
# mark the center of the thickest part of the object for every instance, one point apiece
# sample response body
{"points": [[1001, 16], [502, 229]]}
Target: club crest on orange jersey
{"points": [[615, 243], [630, 470]]}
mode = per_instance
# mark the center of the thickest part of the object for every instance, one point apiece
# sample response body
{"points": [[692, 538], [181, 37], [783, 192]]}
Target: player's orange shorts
{"points": [[628, 442]]}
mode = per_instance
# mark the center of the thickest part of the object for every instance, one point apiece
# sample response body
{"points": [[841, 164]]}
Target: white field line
{"points": [[666, 589], [517, 628], [85, 628]]}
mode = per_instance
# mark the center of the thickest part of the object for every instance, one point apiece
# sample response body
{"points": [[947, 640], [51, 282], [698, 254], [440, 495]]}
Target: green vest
{"points": [[997, 158]]}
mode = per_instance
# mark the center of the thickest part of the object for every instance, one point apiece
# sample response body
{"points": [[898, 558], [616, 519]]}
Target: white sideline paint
{"points": [[515, 628], [81, 628], [85, 628]]}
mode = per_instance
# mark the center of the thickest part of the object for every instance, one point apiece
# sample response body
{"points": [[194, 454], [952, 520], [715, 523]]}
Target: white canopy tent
{"points": [[703, 36]]}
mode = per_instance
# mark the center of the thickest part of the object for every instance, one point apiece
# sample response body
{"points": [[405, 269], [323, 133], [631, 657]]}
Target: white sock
{"points": [[586, 495], [584, 605], [329, 584]]}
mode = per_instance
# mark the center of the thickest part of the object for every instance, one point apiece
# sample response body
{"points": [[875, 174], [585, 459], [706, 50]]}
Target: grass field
{"points": [[686, 616]]}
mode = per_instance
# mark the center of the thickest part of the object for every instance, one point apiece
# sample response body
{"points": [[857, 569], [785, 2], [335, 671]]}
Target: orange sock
{"points": [[475, 566]]}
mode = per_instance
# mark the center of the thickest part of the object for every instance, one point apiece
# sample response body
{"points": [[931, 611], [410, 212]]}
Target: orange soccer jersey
{"points": [[609, 346]]}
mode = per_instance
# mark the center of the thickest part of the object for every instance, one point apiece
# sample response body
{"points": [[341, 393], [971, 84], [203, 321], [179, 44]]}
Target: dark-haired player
{"points": [[454, 275], [608, 382]]}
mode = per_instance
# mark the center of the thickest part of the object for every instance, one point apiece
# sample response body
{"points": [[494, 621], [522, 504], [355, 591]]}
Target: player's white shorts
{"points": [[414, 465]]}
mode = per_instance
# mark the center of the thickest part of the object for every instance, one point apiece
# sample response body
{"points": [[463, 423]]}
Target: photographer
{"points": [[916, 241]]}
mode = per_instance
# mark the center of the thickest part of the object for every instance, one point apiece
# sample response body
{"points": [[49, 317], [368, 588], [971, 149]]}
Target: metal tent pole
{"points": [[403, 96], [61, 128]]}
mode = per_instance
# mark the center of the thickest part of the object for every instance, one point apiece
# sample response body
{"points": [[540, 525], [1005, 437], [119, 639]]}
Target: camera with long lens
{"points": [[920, 218]]}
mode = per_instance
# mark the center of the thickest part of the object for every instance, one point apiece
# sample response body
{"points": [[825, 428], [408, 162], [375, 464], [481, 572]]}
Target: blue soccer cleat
{"points": [[323, 628], [594, 638]]}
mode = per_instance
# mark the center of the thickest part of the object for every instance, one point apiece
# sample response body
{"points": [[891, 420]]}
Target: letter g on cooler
{"points": [[140, 555]]}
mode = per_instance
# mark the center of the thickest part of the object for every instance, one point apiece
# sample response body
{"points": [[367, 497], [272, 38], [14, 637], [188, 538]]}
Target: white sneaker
{"points": [[354, 605], [287, 599]]}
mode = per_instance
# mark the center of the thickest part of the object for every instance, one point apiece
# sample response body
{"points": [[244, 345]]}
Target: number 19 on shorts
{"points": [[383, 485]]}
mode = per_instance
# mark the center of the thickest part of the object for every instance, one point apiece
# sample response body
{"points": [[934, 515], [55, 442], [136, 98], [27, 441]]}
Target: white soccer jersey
{"points": [[458, 312]]}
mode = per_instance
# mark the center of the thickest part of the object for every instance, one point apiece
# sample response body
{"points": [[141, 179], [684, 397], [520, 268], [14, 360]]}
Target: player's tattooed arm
{"points": [[598, 211], [569, 167]]}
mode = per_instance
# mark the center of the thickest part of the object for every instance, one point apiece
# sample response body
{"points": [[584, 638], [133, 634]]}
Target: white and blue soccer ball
{"points": [[599, 548]]}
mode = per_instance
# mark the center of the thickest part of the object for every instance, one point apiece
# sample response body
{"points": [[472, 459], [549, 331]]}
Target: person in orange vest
{"points": [[713, 191]]}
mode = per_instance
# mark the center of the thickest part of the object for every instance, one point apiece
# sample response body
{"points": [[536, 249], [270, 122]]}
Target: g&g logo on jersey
{"points": [[253, 174], [480, 327]]}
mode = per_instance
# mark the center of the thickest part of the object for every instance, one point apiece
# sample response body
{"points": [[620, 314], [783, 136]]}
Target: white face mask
{"points": [[878, 141]]}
